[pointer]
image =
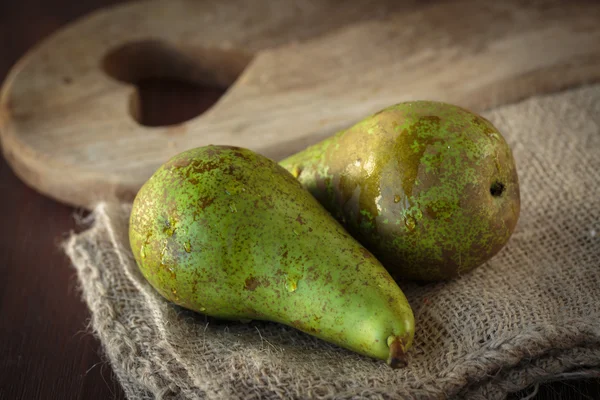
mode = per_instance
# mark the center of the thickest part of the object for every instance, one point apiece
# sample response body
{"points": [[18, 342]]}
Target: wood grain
{"points": [[68, 109], [45, 350]]}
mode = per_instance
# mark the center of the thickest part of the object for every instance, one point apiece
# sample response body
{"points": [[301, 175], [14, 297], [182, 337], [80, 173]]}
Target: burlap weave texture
{"points": [[530, 314]]}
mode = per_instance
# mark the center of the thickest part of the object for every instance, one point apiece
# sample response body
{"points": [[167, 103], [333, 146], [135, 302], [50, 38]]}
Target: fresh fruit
{"points": [[429, 188], [231, 234]]}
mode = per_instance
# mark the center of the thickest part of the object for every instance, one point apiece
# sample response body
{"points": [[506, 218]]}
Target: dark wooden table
{"points": [[46, 348]]}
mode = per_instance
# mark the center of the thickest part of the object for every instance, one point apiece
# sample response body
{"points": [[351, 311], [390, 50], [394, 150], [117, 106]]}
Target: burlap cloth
{"points": [[530, 314]]}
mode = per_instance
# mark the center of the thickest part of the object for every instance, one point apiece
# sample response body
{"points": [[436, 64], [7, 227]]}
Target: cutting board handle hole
{"points": [[168, 77]]}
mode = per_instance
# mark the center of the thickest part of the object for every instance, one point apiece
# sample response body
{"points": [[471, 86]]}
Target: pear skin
{"points": [[431, 189], [231, 234]]}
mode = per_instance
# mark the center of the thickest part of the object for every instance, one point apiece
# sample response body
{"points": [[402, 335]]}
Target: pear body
{"points": [[231, 234], [431, 189]]}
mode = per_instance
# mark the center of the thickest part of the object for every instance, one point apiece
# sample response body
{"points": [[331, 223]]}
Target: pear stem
{"points": [[397, 356]]}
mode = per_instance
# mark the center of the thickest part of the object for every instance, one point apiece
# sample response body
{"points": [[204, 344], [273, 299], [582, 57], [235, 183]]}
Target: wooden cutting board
{"points": [[298, 71]]}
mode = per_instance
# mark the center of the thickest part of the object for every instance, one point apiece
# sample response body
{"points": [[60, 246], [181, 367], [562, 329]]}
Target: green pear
{"points": [[431, 189], [229, 233]]}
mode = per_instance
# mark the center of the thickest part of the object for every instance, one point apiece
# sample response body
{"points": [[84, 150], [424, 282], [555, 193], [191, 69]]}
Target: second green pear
{"points": [[430, 188]]}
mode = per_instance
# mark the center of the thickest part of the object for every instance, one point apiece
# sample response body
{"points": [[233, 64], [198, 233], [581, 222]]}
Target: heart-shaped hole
{"points": [[164, 102], [174, 85]]}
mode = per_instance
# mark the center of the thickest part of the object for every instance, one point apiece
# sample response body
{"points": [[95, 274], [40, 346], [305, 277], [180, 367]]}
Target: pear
{"points": [[430, 188], [231, 234]]}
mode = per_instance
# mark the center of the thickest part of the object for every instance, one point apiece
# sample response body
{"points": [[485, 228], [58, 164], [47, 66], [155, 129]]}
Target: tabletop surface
{"points": [[47, 349]]}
